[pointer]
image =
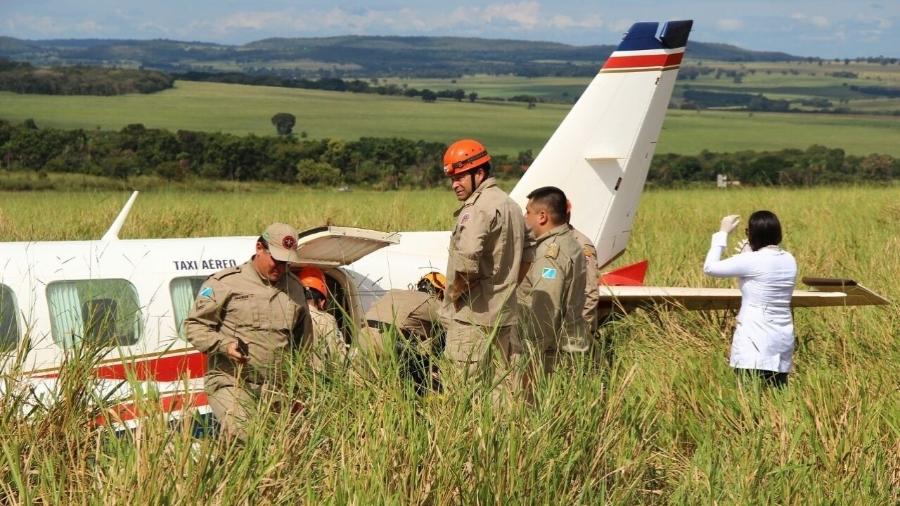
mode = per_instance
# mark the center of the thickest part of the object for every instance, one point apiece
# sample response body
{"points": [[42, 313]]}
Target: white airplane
{"points": [[131, 296]]}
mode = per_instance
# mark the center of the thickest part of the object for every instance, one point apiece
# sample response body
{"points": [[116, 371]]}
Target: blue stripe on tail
{"points": [[642, 36]]}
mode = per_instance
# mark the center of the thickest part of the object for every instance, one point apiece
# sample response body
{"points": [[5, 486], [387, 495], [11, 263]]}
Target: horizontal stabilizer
{"points": [[854, 293], [704, 299]]}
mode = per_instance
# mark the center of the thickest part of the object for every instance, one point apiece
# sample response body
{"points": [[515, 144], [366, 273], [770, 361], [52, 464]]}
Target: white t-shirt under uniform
{"points": [[764, 337]]}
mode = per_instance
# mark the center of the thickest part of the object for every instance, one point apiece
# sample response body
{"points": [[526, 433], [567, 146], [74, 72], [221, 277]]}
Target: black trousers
{"points": [[769, 378]]}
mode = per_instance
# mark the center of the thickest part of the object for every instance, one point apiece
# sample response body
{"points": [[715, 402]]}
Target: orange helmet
{"points": [[314, 279], [433, 283], [463, 156]]}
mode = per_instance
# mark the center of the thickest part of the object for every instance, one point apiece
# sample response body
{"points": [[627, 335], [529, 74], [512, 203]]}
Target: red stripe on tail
{"points": [[643, 61]]}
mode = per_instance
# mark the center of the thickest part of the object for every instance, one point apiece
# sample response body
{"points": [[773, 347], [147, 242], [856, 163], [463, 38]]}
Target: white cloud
{"points": [[879, 22], [563, 22], [46, 26], [480, 20], [817, 21], [466, 19], [524, 14], [729, 25], [89, 27], [289, 23], [251, 21], [37, 25], [621, 25], [820, 21], [152, 27], [409, 19]]}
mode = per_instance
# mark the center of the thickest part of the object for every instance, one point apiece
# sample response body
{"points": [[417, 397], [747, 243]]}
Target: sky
{"points": [[823, 28]]}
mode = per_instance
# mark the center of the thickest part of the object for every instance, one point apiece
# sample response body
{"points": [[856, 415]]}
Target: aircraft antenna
{"points": [[113, 233]]}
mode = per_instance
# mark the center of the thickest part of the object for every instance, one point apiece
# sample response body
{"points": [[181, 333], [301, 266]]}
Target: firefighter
{"points": [[487, 256], [328, 344]]}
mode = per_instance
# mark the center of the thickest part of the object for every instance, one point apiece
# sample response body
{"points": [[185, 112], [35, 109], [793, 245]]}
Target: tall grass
{"points": [[658, 417]]}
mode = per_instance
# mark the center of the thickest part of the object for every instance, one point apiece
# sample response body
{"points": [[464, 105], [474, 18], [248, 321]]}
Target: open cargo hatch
{"points": [[336, 246]]}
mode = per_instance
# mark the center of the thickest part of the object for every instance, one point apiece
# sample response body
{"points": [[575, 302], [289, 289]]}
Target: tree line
{"points": [[788, 167], [384, 163], [373, 86], [21, 77]]}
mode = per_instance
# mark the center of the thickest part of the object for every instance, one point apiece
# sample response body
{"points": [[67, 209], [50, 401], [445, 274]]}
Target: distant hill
{"points": [[359, 56]]}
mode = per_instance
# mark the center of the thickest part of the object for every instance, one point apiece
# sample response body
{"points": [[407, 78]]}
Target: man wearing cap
{"points": [[488, 252], [247, 319]]}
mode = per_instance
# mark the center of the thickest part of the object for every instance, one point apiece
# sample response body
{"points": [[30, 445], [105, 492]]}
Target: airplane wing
{"points": [[824, 292]]}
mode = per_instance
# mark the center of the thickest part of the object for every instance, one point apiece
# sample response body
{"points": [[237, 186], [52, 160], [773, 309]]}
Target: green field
{"points": [[504, 127], [559, 89], [659, 420], [790, 81]]}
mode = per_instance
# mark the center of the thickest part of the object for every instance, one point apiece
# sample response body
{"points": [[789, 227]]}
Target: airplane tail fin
{"points": [[600, 154]]}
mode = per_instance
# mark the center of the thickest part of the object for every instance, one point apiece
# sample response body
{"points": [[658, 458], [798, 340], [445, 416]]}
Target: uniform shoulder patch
{"points": [[589, 251], [552, 251], [549, 273], [206, 292]]}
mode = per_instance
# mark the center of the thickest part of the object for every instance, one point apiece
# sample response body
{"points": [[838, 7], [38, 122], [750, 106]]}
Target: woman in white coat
{"points": [[763, 342]]}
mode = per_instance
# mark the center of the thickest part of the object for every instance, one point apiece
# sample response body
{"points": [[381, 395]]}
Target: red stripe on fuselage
{"points": [[178, 402], [190, 365], [171, 368], [643, 61]]}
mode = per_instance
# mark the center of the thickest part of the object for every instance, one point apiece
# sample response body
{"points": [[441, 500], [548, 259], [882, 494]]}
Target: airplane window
{"points": [[105, 312], [184, 291], [9, 325]]}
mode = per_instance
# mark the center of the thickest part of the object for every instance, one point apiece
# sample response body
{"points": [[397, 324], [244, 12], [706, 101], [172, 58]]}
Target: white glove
{"points": [[729, 223], [742, 247]]}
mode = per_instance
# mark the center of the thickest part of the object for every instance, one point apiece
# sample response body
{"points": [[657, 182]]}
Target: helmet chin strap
{"points": [[472, 179]]}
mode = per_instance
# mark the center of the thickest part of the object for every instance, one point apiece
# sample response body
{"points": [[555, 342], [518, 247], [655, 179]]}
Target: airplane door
{"points": [[336, 246]]}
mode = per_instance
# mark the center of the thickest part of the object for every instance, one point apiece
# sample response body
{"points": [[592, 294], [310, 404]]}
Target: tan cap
{"points": [[282, 240]]}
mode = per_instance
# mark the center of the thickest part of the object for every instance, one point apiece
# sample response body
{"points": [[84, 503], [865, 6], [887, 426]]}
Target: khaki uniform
{"points": [[416, 315], [552, 294], [237, 305], [413, 312], [489, 245], [328, 345], [592, 281]]}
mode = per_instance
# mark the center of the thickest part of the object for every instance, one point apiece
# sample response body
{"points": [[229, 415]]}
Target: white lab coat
{"points": [[764, 337]]}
